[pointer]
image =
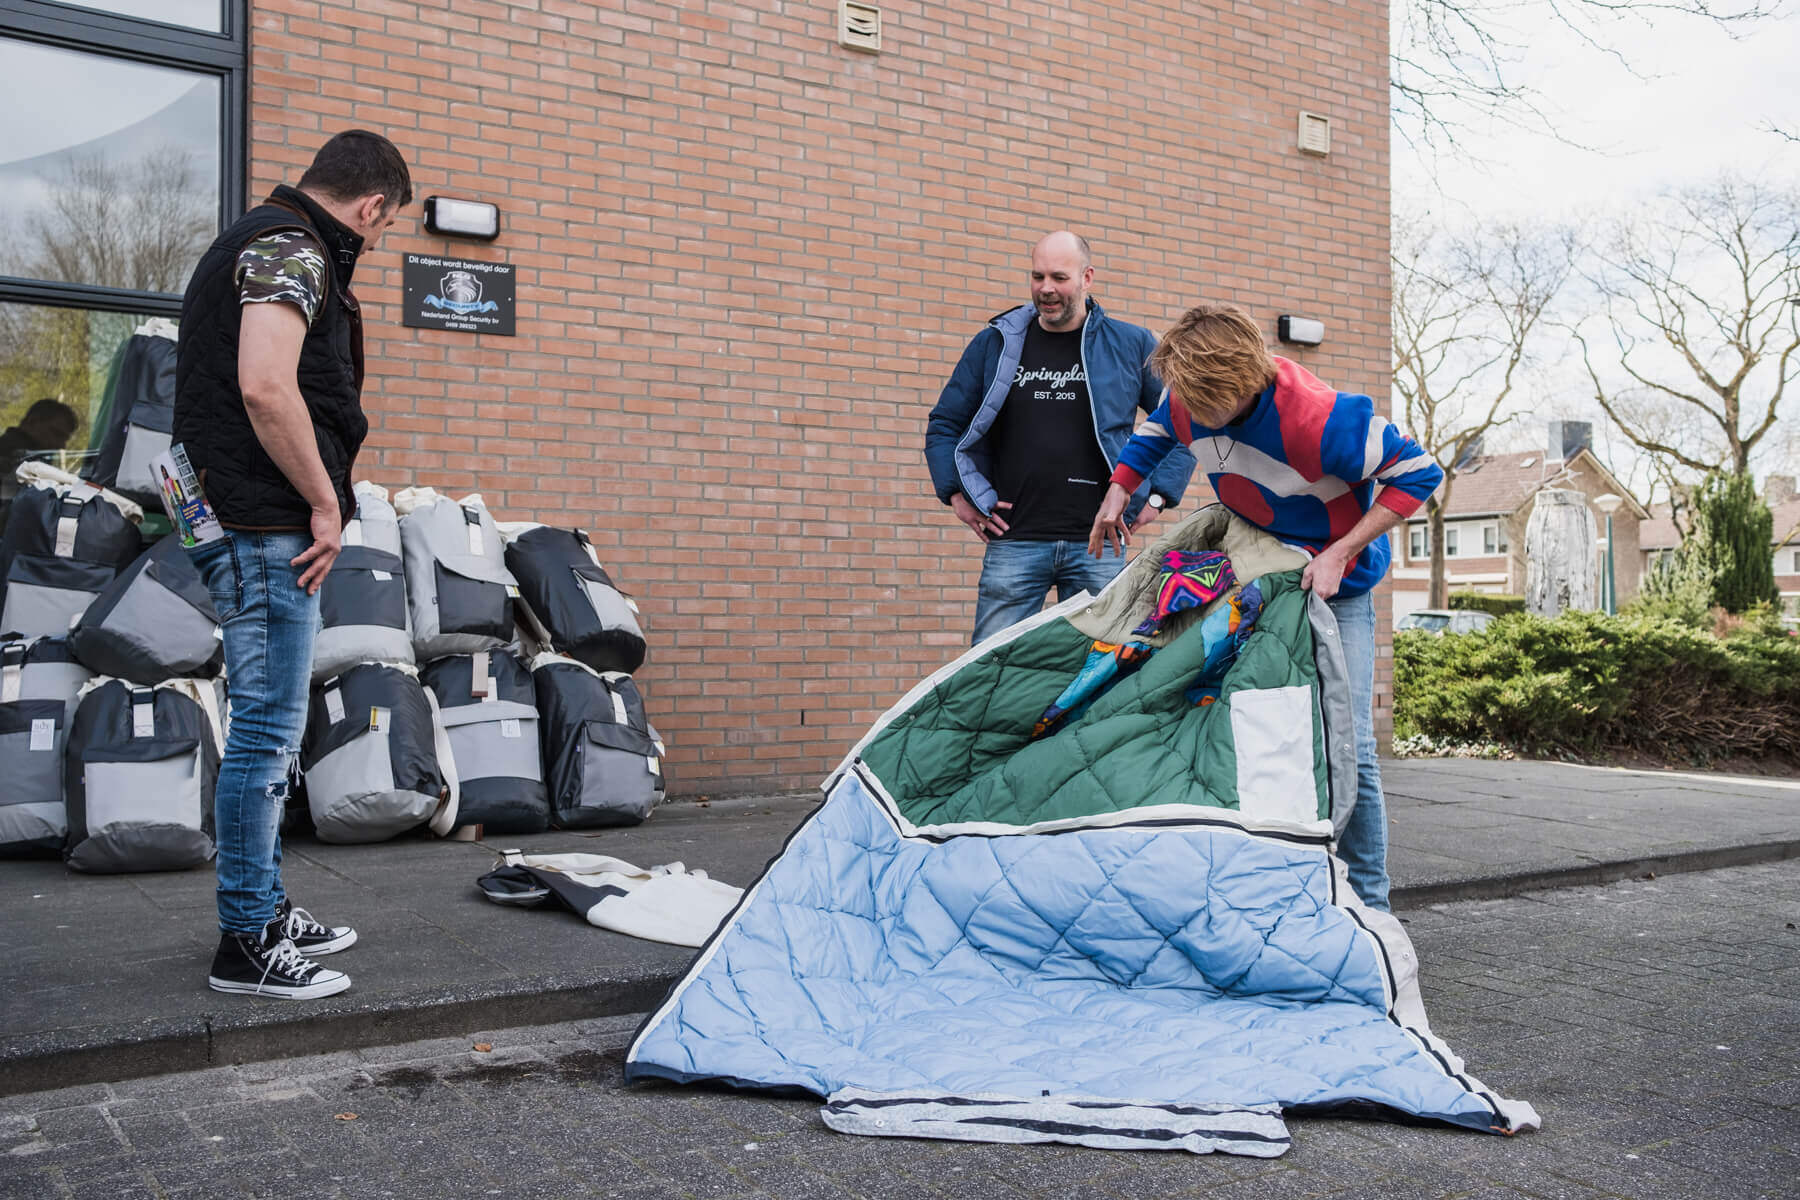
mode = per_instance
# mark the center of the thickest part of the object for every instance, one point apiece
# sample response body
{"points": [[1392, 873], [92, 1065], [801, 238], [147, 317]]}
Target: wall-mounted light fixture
{"points": [[462, 218], [1300, 331]]}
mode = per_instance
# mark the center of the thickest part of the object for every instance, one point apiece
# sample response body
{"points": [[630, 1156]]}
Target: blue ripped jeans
{"points": [[1363, 846], [1015, 576], [269, 624]]}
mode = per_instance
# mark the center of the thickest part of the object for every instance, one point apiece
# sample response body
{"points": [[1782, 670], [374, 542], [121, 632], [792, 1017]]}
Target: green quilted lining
{"points": [[964, 752]]}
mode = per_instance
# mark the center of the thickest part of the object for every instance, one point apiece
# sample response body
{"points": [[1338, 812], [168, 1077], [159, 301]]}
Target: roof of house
{"points": [[1659, 533], [1500, 484]]}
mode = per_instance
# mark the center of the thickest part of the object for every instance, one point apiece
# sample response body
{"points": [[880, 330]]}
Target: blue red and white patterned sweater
{"points": [[1304, 463]]}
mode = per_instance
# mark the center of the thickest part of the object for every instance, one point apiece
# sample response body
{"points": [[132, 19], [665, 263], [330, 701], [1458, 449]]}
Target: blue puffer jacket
{"points": [[1114, 355]]}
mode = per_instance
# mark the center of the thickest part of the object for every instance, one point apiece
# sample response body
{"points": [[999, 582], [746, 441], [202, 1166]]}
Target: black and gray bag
{"points": [[488, 710], [362, 605], [458, 590], [63, 544], [141, 765], [154, 622], [568, 601], [602, 758], [371, 757], [39, 681], [141, 418]]}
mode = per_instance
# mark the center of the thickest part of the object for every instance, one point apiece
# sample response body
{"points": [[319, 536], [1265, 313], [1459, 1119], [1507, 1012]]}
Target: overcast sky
{"points": [[1702, 103]]}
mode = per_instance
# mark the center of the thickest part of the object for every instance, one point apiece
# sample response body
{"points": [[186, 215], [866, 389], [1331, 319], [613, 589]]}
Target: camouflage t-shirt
{"points": [[288, 266]]}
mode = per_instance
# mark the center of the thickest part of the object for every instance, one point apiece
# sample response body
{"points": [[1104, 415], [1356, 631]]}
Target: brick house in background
{"points": [[1659, 537], [1490, 507], [747, 256]]}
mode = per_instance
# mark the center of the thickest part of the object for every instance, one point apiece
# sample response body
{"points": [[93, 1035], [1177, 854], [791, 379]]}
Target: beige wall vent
{"points": [[1315, 134], [859, 26]]}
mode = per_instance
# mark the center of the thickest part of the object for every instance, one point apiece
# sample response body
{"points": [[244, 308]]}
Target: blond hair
{"points": [[1212, 360]]}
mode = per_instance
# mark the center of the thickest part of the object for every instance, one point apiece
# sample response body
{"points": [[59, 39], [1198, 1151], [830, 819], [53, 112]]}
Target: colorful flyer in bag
{"points": [[183, 500]]}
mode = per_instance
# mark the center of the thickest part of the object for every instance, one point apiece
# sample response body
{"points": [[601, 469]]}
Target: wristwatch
{"points": [[1156, 501]]}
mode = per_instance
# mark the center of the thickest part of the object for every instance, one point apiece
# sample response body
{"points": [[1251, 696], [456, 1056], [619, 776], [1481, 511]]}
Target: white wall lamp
{"points": [[1299, 331], [462, 218]]}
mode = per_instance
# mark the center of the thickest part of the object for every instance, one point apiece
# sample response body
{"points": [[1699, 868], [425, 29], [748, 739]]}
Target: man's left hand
{"points": [[1325, 573]]}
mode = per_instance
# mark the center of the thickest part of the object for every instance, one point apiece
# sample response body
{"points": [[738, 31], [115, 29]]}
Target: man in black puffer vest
{"points": [[268, 407]]}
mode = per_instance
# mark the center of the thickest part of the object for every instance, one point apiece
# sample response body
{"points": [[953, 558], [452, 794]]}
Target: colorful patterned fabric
{"points": [[287, 266], [1106, 664], [1305, 463], [1189, 580], [1225, 630]]}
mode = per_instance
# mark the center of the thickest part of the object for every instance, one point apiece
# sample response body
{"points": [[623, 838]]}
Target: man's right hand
{"points": [[328, 540], [985, 527], [1109, 522]]}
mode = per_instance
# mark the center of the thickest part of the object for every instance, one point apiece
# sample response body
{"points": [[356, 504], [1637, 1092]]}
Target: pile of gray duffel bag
{"points": [[468, 676], [464, 632]]}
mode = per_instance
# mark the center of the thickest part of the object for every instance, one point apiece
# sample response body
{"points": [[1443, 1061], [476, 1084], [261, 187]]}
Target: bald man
{"points": [[1028, 431]]}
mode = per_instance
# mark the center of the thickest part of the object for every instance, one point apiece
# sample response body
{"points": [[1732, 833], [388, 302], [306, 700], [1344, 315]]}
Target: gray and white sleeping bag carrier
{"points": [[64, 542], [140, 769], [372, 757], [567, 600], [141, 419], [154, 622], [458, 590], [39, 680], [489, 713], [603, 760], [362, 605]]}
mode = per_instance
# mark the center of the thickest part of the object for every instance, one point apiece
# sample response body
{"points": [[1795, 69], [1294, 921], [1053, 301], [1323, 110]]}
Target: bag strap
{"points": [[12, 671], [143, 712], [443, 821], [68, 520]]}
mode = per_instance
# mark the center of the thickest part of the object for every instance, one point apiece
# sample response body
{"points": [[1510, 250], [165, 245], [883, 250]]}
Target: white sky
{"points": [[1702, 104]]}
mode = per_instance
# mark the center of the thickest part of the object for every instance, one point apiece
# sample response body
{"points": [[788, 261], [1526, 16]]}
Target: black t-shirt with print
{"points": [[1047, 457]]}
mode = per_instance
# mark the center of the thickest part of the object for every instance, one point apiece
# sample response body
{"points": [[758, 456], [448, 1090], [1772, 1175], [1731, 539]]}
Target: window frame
{"points": [[1420, 533], [1452, 540], [224, 54]]}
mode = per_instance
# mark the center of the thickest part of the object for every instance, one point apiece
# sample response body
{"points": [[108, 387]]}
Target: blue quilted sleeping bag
{"points": [[1119, 926]]}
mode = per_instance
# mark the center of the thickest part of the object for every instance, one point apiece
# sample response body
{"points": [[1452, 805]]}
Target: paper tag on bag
{"points": [[381, 575], [509, 727], [378, 720], [43, 734], [334, 705]]}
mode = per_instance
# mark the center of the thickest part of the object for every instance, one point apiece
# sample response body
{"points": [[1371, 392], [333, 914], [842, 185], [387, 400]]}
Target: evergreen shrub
{"points": [[1586, 683]]}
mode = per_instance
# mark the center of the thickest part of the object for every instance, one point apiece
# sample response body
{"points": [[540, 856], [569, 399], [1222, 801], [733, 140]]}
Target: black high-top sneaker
{"points": [[310, 937], [268, 965]]}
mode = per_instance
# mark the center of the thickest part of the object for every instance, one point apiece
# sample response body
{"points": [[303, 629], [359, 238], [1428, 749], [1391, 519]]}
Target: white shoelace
{"points": [[287, 957], [300, 921]]}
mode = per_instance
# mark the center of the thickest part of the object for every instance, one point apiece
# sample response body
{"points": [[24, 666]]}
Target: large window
{"points": [[121, 157]]}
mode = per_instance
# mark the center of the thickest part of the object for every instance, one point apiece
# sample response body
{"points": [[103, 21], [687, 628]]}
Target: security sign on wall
{"points": [[451, 293]]}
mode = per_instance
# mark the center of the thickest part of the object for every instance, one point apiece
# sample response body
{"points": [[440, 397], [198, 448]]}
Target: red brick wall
{"points": [[748, 257]]}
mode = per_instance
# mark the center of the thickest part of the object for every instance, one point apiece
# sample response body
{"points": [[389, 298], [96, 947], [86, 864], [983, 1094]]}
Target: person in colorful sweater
{"points": [[1315, 467]]}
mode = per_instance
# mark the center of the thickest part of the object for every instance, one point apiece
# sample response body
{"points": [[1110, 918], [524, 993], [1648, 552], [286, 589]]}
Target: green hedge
{"points": [[1489, 602], [1585, 682]]}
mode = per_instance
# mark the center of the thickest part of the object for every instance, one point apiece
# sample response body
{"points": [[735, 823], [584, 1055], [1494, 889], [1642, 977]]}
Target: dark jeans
{"points": [[1016, 575]]}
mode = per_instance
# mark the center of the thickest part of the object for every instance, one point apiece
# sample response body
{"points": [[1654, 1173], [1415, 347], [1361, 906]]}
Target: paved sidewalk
{"points": [[1657, 1079], [103, 977]]}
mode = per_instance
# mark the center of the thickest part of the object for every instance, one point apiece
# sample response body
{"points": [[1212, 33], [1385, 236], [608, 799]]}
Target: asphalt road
{"points": [[1653, 1023]]}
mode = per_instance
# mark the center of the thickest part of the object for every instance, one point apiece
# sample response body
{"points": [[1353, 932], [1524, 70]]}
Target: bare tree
{"points": [[1467, 311], [139, 224], [1455, 61], [1699, 334]]}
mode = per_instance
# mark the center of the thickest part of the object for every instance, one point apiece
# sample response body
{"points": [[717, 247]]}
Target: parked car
{"points": [[1445, 620]]}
